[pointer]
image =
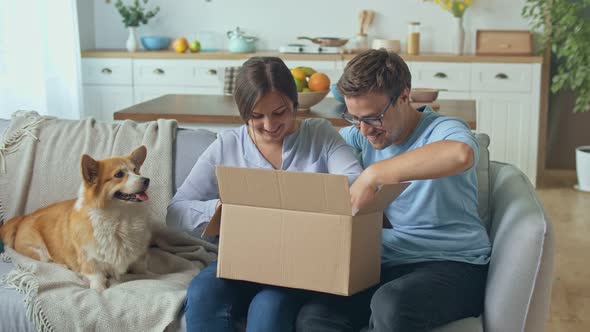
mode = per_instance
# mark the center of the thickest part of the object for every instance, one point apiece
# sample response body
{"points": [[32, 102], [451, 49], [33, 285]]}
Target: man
{"points": [[435, 256]]}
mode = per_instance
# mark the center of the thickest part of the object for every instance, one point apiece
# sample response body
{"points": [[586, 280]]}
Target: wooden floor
{"points": [[569, 211]]}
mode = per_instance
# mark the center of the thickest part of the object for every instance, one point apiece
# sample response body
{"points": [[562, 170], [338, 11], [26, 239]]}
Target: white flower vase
{"points": [[459, 35], [583, 167], [132, 45]]}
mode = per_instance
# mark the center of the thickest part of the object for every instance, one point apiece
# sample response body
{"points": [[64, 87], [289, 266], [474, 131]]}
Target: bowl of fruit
{"points": [[312, 87]]}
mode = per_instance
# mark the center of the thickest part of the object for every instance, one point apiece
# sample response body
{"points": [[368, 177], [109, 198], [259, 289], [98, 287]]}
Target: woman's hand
{"points": [[363, 189]]}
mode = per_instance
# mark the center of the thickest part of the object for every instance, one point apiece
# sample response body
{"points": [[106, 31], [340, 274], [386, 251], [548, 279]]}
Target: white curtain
{"points": [[40, 58]]}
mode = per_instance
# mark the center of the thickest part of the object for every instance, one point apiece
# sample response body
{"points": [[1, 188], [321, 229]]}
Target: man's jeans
{"points": [[413, 297]]}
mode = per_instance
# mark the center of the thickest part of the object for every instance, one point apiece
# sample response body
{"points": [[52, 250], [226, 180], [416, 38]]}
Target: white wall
{"points": [[86, 23], [278, 22], [39, 58]]}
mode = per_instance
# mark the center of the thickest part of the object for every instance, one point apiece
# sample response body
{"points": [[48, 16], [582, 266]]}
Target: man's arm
{"points": [[434, 160]]}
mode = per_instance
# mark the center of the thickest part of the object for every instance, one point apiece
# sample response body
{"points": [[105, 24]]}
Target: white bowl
{"points": [[309, 99]]}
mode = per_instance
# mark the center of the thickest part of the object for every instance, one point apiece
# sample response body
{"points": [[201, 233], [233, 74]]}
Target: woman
{"points": [[271, 138]]}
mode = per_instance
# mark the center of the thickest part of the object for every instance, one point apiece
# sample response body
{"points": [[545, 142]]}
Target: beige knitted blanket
{"points": [[40, 165]]}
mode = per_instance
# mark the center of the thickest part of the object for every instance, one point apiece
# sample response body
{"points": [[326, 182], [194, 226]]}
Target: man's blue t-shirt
{"points": [[435, 219]]}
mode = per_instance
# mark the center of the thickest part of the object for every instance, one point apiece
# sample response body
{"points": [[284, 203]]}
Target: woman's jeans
{"points": [[214, 304]]}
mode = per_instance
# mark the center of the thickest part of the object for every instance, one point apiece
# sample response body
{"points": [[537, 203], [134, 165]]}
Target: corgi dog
{"points": [[102, 233]]}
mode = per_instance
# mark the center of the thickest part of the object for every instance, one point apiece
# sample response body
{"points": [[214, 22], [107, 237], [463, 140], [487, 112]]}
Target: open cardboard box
{"points": [[297, 230]]}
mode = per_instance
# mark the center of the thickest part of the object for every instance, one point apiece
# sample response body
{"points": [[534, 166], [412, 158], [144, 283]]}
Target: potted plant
{"points": [[457, 8], [566, 28], [133, 16]]}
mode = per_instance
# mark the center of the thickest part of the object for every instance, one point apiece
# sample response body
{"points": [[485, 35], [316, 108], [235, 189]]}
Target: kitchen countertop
{"points": [[219, 109], [434, 57]]}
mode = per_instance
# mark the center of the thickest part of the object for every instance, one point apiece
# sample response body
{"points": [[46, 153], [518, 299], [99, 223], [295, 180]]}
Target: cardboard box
{"points": [[297, 230]]}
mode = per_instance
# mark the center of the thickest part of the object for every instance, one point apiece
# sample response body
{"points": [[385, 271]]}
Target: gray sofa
{"points": [[520, 273]]}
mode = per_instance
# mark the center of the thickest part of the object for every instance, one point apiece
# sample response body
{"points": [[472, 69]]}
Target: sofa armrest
{"points": [[518, 289]]}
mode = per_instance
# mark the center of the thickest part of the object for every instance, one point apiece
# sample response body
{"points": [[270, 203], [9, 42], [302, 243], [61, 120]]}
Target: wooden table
{"points": [[219, 109]]}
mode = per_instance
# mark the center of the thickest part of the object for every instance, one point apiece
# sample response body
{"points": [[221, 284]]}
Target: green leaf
{"points": [[569, 33], [134, 15]]}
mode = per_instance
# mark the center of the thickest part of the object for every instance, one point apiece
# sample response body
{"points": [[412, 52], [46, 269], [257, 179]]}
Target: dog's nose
{"points": [[146, 181]]}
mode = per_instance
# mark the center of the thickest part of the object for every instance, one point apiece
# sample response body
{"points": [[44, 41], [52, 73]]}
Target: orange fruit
{"points": [[319, 82], [298, 74], [180, 45]]}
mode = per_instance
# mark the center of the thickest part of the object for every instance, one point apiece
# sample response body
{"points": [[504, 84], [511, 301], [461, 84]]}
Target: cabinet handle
{"points": [[440, 75], [212, 72], [159, 71], [502, 76], [106, 71]]}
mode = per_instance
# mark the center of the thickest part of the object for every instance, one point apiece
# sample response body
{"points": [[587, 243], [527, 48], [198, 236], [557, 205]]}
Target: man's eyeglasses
{"points": [[373, 121]]}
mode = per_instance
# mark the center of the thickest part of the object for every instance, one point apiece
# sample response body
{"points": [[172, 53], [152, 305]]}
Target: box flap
{"points": [[214, 225], [387, 194], [297, 191]]}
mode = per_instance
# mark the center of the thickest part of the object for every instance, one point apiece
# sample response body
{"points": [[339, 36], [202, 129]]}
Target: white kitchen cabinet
{"points": [[107, 86], [156, 77], [449, 75], [508, 110], [101, 101], [512, 124]]}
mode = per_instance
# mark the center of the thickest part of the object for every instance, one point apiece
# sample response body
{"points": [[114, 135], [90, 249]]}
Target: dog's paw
{"points": [[99, 288], [98, 282]]}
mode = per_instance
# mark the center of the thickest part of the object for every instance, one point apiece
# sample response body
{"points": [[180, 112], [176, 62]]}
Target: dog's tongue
{"points": [[142, 196]]}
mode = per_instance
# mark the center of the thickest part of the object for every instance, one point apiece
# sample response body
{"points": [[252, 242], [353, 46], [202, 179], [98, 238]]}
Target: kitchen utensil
{"points": [[423, 95], [327, 41], [362, 18], [239, 43], [309, 99], [392, 45], [365, 20], [368, 20], [152, 43]]}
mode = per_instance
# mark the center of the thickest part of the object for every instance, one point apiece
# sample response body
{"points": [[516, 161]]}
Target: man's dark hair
{"points": [[377, 71]]}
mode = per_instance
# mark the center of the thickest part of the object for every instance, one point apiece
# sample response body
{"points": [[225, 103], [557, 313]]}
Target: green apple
{"points": [[305, 90], [194, 46]]}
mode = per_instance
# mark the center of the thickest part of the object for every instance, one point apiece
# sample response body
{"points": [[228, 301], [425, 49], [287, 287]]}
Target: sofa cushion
{"points": [[483, 179], [190, 144]]}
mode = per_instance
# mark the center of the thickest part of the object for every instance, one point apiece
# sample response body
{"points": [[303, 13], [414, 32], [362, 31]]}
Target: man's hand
{"points": [[363, 189]]}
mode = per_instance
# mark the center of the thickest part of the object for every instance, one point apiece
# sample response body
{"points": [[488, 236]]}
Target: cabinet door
{"points": [[441, 75], [101, 101], [512, 124], [107, 71]]}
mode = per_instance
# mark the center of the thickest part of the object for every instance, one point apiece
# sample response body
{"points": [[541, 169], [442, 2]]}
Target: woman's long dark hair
{"points": [[257, 77]]}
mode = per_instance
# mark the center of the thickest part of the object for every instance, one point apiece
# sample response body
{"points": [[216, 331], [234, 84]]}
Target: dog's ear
{"points": [[138, 155], [89, 169]]}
